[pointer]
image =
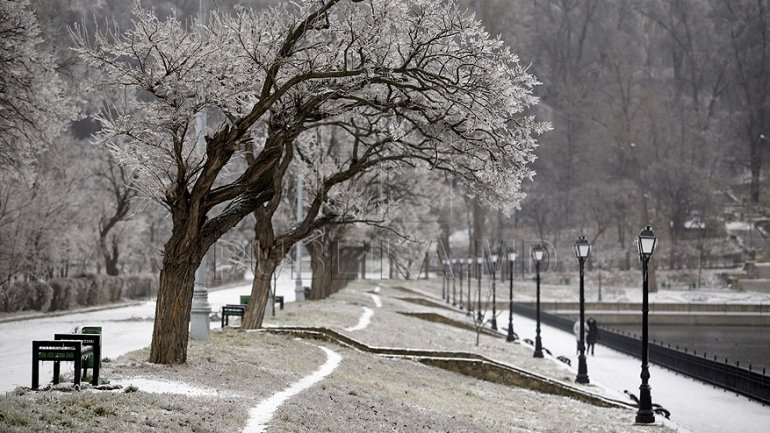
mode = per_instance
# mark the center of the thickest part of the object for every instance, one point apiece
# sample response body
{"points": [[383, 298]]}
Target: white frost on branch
{"points": [[33, 108], [416, 83]]}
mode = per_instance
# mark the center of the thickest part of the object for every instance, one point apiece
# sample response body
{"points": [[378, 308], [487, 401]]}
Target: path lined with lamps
{"points": [[645, 242]]}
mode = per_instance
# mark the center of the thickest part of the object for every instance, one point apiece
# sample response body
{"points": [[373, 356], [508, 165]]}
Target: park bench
{"points": [[67, 347], [245, 300], [278, 299], [232, 310], [238, 310]]}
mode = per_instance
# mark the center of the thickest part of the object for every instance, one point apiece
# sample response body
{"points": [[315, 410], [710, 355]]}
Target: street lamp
{"points": [[454, 282], [479, 317], [493, 270], [469, 310], [511, 260], [582, 250], [646, 244], [444, 281], [461, 276], [537, 254]]}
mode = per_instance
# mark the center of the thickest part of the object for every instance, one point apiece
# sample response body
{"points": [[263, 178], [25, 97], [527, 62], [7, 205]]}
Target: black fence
{"points": [[752, 384]]}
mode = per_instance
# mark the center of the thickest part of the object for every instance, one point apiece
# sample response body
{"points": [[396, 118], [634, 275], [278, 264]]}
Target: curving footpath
{"points": [[261, 414]]}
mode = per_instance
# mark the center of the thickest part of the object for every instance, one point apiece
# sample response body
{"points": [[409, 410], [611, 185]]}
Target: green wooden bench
{"points": [[232, 310], [70, 348], [278, 299]]}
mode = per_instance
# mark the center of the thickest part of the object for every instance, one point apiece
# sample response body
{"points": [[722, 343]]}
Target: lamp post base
{"points": [[299, 291], [538, 348], [510, 337], [645, 417], [199, 323], [582, 375], [493, 324]]}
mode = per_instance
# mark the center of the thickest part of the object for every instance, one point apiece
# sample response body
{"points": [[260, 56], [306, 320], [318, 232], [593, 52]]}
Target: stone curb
{"points": [[469, 364]]}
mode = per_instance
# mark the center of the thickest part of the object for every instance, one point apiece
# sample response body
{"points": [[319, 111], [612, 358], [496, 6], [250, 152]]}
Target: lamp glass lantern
{"points": [[511, 256], [538, 252], [646, 242], [582, 248]]}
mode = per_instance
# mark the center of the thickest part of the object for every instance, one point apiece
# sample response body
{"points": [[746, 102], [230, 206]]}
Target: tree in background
{"points": [[746, 25], [117, 181], [33, 109]]}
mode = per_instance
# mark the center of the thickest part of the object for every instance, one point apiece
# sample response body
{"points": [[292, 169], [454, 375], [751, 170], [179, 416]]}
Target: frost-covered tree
{"points": [[33, 110], [411, 82], [116, 182]]}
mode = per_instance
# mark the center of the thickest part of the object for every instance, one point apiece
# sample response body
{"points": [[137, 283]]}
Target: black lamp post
{"points": [[461, 276], [646, 244], [582, 250], [444, 283], [469, 310], [449, 275], [511, 261], [493, 272], [479, 317], [537, 254], [454, 282]]}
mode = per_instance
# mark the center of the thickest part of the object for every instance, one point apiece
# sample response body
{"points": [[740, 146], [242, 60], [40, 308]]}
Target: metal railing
{"points": [[752, 384]]}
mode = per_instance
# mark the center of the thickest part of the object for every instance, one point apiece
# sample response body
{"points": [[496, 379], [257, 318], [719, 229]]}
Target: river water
{"points": [[745, 344]]}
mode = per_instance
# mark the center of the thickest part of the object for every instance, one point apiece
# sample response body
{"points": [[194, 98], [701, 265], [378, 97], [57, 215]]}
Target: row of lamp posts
{"points": [[645, 244]]}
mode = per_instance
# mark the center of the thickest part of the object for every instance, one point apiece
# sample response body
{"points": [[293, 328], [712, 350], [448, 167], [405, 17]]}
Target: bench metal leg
{"points": [[78, 366], [35, 371], [56, 368], [97, 364]]}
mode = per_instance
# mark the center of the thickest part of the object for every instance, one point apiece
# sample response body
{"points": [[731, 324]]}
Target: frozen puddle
{"points": [[363, 321], [263, 412], [167, 387]]}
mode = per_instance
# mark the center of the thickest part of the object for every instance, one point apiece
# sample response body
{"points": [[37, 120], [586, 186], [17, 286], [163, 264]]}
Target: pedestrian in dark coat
{"points": [[592, 335]]}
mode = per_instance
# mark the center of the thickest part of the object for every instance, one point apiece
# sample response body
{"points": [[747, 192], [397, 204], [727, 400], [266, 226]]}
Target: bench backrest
{"points": [[87, 339]]}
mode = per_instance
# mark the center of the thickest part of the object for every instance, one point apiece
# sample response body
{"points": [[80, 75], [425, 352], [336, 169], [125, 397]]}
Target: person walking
{"points": [[592, 334], [576, 330]]}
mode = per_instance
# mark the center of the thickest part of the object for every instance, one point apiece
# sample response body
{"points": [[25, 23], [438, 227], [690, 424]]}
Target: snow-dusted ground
{"points": [[363, 321], [696, 406], [261, 414], [167, 387]]}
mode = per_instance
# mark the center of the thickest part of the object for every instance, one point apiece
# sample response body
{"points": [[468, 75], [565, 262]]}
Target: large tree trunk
{"points": [[260, 292], [110, 259], [323, 268], [268, 255], [172, 310]]}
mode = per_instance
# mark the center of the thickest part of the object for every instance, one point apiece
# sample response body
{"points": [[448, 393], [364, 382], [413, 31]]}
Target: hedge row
{"points": [[68, 293]]}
